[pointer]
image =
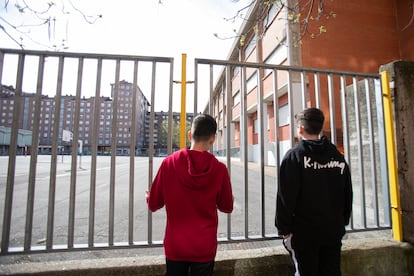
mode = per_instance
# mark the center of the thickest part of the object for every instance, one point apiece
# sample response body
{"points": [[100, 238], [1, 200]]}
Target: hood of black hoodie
{"points": [[196, 169], [317, 146]]}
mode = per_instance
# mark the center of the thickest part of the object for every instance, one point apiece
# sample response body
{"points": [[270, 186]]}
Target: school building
{"points": [[354, 36]]}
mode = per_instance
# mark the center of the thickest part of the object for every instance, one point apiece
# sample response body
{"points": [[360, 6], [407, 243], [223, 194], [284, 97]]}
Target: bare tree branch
{"points": [[53, 15], [294, 14]]}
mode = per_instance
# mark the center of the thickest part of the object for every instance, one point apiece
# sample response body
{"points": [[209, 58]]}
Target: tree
{"points": [[163, 134], [22, 19], [308, 14]]}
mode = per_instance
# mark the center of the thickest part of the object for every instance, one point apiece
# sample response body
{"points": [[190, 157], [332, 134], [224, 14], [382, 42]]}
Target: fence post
{"points": [[402, 75]]}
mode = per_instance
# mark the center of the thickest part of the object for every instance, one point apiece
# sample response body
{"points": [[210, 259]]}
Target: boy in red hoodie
{"points": [[192, 184]]}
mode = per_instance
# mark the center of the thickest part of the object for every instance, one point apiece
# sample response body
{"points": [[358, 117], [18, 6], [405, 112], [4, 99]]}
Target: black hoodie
{"points": [[314, 197]]}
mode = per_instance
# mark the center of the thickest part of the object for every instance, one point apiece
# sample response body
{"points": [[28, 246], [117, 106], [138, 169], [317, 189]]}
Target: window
{"points": [[250, 46], [284, 116], [236, 71], [251, 82], [256, 126], [265, 124], [276, 57], [236, 98]]}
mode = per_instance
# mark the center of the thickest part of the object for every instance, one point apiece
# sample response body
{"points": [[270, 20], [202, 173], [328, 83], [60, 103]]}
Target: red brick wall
{"points": [[361, 38], [405, 28]]}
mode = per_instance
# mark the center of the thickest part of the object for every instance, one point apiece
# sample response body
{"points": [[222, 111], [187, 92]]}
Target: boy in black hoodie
{"points": [[314, 199]]}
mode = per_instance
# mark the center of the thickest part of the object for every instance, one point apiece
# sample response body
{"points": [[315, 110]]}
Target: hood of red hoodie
{"points": [[195, 168]]}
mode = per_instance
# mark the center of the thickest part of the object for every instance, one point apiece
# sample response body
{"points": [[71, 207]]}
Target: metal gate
{"points": [[82, 137]]}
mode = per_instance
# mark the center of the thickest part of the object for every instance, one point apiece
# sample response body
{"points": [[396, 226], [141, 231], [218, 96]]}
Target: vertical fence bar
{"points": [[8, 202], [92, 193], [245, 145], [345, 129], [317, 89], [373, 163], [331, 94], [360, 151], [382, 152], [133, 137], [151, 146], [195, 85], [345, 126], [291, 110], [276, 124], [72, 193], [33, 158], [53, 164], [195, 97], [303, 87], [211, 102], [170, 104], [260, 114], [113, 156], [228, 134], [1, 67]]}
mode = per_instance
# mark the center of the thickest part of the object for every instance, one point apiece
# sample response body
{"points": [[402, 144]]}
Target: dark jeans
{"points": [[175, 268]]}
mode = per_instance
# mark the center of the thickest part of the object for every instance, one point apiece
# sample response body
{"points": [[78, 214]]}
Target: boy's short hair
{"points": [[311, 119], [203, 127]]}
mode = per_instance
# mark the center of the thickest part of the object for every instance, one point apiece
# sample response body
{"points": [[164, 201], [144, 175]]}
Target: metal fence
{"points": [[273, 94], [54, 202]]}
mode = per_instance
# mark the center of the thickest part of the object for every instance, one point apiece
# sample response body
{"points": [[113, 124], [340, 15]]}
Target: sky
{"points": [[164, 28]]}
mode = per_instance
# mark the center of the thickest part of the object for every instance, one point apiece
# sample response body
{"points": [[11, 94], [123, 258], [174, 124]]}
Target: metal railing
{"points": [[74, 202], [353, 107]]}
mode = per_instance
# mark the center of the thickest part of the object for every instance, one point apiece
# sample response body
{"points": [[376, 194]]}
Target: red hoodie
{"points": [[192, 185]]}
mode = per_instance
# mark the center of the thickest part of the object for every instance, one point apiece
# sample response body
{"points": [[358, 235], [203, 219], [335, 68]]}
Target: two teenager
{"points": [[314, 200]]}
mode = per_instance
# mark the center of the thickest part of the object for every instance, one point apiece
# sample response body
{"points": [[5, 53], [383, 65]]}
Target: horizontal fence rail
{"points": [[80, 136]]}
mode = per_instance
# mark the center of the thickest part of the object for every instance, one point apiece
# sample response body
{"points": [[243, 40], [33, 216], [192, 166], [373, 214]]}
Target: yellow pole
{"points": [[183, 116], [392, 160]]}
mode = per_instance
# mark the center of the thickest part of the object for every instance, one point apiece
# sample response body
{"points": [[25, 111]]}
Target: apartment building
{"points": [[85, 123], [124, 98], [357, 36]]}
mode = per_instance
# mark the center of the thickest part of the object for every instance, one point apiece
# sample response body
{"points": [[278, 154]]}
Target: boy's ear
{"points": [[189, 135], [300, 129]]}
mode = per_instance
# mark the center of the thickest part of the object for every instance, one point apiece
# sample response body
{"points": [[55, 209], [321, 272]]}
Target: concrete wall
{"points": [[363, 257], [402, 75], [404, 106]]}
